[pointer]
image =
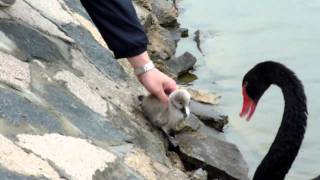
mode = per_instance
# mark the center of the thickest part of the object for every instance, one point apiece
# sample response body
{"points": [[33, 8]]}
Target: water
{"points": [[241, 33]]}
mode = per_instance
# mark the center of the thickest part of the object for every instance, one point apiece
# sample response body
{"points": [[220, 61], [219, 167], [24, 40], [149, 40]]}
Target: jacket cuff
{"points": [[130, 53]]}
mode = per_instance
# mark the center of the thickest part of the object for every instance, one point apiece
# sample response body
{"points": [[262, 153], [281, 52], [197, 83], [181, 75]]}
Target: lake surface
{"points": [[241, 33]]}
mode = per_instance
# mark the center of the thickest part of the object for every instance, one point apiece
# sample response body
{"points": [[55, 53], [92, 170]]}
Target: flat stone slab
{"points": [[80, 89], [10, 175], [220, 159], [76, 157], [14, 72], [19, 115], [22, 11], [208, 115], [101, 57], [182, 64], [31, 42], [77, 7], [204, 96], [22, 164], [90, 123], [55, 13]]}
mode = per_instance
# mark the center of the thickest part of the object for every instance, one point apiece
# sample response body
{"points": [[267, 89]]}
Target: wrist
{"points": [[141, 64], [139, 60]]}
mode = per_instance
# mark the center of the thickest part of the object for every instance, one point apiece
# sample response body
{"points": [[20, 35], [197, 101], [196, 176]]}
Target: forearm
{"points": [[119, 25]]}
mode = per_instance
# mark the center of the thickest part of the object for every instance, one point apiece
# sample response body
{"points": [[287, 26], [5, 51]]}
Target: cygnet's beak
{"points": [[186, 111]]}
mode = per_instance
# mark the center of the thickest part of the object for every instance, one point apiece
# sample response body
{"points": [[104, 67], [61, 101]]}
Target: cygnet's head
{"points": [[180, 100]]}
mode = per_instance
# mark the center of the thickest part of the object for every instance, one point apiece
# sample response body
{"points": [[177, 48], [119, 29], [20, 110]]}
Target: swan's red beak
{"points": [[248, 107]]}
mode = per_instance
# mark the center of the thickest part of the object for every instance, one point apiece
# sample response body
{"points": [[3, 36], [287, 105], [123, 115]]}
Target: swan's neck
{"points": [[285, 147]]}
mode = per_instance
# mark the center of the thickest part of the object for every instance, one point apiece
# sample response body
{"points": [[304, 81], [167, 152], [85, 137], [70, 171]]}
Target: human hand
{"points": [[153, 80], [158, 84]]}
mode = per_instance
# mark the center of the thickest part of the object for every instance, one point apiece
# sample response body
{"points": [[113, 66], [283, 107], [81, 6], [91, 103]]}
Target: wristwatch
{"points": [[143, 69]]}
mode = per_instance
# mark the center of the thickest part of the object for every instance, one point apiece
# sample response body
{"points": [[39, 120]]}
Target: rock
{"points": [[90, 124], [14, 72], [144, 3], [176, 161], [34, 44], [197, 39], [117, 170], [80, 89], [163, 67], [208, 115], [77, 7], [165, 12], [141, 163], [22, 164], [143, 12], [91, 28], [19, 115], [191, 124], [201, 36], [8, 46], [98, 55], [161, 43], [199, 174], [177, 33], [76, 157], [182, 63], [169, 173], [9, 175], [220, 159], [204, 96], [184, 32], [54, 13], [22, 11], [187, 78]]}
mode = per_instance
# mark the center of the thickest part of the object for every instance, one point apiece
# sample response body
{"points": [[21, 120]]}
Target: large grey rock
{"points": [[165, 12], [162, 45], [31, 42], [76, 6], [182, 63], [148, 140], [75, 158], [220, 159], [87, 121], [208, 115], [117, 170], [24, 12], [98, 55], [19, 115]]}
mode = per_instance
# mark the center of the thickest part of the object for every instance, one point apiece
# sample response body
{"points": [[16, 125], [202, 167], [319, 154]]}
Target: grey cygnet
{"points": [[168, 117]]}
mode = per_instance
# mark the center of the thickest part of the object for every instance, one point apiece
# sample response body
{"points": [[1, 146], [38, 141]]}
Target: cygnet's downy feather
{"points": [[168, 117]]}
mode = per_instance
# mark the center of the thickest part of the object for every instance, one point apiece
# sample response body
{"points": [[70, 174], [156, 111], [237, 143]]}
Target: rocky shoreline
{"points": [[69, 110]]}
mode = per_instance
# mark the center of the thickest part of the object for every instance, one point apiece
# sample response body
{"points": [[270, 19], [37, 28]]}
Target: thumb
{"points": [[162, 96]]}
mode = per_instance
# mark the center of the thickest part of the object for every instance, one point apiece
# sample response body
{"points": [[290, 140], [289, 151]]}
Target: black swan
{"points": [[284, 149]]}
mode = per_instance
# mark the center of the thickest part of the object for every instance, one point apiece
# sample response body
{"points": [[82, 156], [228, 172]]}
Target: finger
{"points": [[162, 96], [170, 87]]}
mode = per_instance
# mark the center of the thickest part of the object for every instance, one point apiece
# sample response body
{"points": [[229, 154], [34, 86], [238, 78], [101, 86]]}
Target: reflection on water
{"points": [[247, 32]]}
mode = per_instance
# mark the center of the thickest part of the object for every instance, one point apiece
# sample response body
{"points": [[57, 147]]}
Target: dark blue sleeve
{"points": [[119, 25]]}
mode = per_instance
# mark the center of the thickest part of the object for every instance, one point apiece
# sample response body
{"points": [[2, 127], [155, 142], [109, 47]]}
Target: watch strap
{"points": [[143, 69]]}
